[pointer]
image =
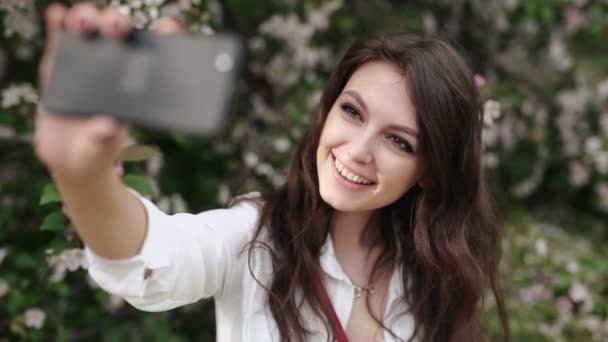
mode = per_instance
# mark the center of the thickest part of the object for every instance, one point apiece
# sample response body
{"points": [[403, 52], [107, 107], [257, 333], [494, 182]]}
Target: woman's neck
{"points": [[354, 232], [357, 244]]}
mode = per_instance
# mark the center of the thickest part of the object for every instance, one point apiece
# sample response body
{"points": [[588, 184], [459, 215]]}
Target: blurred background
{"points": [[542, 69]]}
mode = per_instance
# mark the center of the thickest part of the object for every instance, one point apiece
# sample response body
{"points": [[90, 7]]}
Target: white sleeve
{"points": [[189, 257]]}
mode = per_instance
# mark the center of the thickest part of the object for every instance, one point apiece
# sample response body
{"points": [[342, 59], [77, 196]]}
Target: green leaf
{"points": [[50, 194], [138, 152], [139, 184], [55, 221]]}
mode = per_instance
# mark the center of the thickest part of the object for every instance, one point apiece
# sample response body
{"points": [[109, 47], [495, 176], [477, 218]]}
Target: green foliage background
{"points": [[541, 65]]}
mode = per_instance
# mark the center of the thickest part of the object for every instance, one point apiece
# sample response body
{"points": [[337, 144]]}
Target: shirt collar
{"points": [[329, 262], [331, 266]]}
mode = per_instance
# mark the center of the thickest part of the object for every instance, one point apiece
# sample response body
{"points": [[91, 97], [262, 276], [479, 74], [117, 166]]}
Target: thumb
{"points": [[105, 128]]}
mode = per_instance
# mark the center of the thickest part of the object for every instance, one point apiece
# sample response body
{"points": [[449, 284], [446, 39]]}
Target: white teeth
{"points": [[350, 176]]}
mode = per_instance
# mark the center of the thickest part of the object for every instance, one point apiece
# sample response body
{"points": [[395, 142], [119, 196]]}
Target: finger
{"points": [[168, 25], [103, 127], [108, 131], [54, 16], [114, 24], [82, 18], [54, 19]]}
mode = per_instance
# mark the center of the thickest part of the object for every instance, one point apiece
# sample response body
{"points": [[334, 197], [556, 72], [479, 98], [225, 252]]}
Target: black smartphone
{"points": [[181, 82]]}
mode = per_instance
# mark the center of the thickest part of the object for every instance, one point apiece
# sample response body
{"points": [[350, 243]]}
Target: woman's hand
{"points": [[78, 150]]}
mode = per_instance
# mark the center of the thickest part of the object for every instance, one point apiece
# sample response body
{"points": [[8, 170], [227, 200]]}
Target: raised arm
{"points": [[80, 153]]}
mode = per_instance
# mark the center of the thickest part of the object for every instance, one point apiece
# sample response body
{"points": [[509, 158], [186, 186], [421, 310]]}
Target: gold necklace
{"points": [[360, 290]]}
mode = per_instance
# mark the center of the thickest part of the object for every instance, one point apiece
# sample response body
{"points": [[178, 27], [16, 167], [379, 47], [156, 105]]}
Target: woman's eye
{"points": [[350, 111], [401, 143]]}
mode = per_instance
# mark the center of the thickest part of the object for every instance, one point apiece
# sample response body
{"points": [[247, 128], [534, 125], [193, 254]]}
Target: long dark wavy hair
{"points": [[444, 235]]}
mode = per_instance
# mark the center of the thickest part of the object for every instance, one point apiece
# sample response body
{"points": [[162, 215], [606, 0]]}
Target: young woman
{"points": [[382, 231]]}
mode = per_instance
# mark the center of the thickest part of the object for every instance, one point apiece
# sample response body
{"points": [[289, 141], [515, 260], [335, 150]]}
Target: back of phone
{"points": [[182, 82]]}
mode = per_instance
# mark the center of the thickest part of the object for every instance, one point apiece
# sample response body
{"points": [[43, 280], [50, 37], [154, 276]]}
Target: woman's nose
{"points": [[361, 150]]}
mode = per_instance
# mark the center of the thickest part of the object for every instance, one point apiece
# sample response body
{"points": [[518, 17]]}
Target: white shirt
{"points": [[199, 256]]}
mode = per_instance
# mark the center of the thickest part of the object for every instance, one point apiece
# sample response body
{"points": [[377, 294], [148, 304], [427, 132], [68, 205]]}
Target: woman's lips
{"points": [[346, 183]]}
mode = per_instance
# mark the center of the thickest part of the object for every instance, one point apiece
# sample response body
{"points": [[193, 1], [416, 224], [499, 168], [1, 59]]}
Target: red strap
{"points": [[340, 333]]}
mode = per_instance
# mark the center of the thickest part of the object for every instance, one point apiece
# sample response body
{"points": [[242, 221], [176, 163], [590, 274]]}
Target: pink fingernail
{"points": [[84, 24], [118, 26]]}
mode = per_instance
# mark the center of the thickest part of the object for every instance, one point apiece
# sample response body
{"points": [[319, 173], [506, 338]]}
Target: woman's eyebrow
{"points": [[407, 130], [357, 97]]}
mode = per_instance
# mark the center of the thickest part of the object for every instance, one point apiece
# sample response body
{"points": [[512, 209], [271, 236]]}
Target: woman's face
{"points": [[368, 152]]}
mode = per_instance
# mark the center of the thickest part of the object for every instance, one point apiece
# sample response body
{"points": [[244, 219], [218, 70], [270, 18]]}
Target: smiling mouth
{"points": [[349, 176]]}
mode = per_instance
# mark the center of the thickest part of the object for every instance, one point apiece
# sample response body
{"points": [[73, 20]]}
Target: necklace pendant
{"points": [[358, 291]]}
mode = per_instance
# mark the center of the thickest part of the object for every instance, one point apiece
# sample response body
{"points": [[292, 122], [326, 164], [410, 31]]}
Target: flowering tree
{"points": [[541, 69]]}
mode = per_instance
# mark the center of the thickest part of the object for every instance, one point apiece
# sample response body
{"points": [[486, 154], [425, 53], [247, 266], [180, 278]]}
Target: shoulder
{"points": [[249, 204]]}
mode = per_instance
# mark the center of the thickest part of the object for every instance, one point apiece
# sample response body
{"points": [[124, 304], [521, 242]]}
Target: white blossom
{"points": [[171, 204], [4, 287], [600, 160], [153, 12], [264, 169], [578, 292], [285, 68], [574, 100], [573, 103], [552, 331], [136, 3], [154, 165], [259, 106], [34, 318], [281, 144], [251, 159], [314, 99], [164, 204], [178, 203], [534, 294], [20, 19], [579, 174], [14, 94], [278, 180], [490, 160], [68, 260], [510, 131], [541, 247], [489, 136], [429, 22], [491, 112], [572, 266], [511, 4], [223, 194], [558, 53], [602, 89], [207, 30], [124, 10], [593, 145], [501, 22]]}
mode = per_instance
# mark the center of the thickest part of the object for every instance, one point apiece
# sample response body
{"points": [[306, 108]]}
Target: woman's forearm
{"points": [[110, 220]]}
